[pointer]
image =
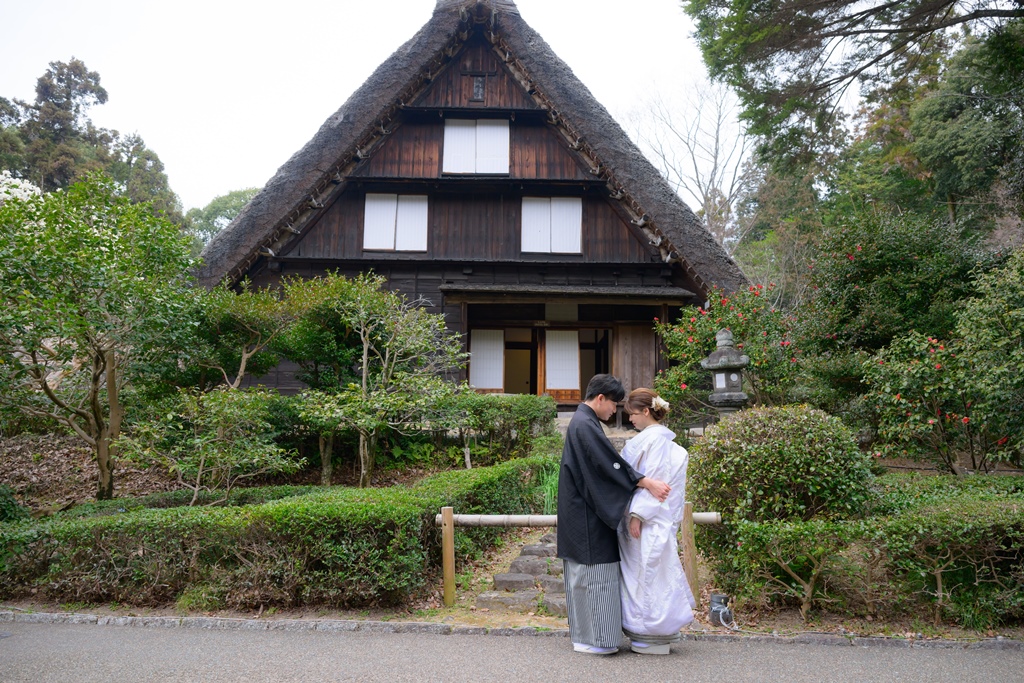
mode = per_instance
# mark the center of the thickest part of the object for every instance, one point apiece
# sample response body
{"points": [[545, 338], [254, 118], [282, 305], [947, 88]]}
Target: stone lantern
{"points": [[726, 365]]}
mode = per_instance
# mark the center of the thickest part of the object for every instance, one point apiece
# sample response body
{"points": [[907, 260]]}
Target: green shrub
{"points": [[10, 509], [334, 546], [958, 556], [212, 441], [506, 424], [927, 405], [785, 463], [510, 488], [952, 547], [786, 560], [788, 462], [874, 278], [172, 499], [897, 492]]}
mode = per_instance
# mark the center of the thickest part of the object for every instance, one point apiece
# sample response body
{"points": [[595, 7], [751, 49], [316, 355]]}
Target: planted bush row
{"points": [[341, 547], [950, 548]]}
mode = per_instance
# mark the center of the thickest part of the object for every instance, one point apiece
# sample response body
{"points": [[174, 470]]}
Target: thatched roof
{"points": [[319, 171]]}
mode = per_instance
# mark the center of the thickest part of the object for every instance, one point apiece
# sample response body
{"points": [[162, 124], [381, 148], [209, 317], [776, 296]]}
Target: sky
{"points": [[226, 91]]}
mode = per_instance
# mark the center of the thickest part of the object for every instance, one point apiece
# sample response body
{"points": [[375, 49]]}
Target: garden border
{"points": [[354, 625]]}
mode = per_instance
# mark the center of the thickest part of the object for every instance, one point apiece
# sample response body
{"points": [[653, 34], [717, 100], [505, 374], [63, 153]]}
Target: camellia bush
{"points": [[924, 401], [992, 329], [957, 402], [759, 330], [875, 278]]}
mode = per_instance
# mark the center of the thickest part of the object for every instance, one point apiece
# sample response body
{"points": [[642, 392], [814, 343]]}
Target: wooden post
{"points": [[448, 554], [690, 552]]}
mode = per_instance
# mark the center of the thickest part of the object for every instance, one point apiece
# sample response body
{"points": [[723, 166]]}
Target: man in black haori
{"points": [[594, 487]]}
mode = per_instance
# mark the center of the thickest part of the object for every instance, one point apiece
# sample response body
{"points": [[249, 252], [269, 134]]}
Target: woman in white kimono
{"points": [[656, 597]]}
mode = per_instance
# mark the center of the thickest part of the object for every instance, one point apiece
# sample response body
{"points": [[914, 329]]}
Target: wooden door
{"points": [[634, 355]]}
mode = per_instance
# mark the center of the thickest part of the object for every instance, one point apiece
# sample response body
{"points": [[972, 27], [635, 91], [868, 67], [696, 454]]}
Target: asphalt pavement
{"points": [[149, 651]]}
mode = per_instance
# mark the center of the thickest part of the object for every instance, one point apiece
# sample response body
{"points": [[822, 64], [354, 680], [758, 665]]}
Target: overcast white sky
{"points": [[226, 91]]}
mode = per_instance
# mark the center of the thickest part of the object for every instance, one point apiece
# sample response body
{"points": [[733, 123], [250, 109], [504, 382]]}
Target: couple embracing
{"points": [[617, 522]]}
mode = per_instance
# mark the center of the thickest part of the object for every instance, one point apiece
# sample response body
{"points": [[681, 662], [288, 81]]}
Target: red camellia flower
{"points": [[938, 366], [966, 420], [682, 386]]}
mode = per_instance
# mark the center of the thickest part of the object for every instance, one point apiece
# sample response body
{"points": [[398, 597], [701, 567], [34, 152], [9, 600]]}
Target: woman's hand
{"points": [[634, 527]]}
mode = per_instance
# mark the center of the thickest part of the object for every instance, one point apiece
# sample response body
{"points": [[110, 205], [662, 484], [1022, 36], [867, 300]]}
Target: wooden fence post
{"points": [[448, 554], [690, 553]]}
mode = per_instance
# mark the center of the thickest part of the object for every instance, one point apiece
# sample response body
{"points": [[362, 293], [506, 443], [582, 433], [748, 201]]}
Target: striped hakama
{"points": [[593, 603]]}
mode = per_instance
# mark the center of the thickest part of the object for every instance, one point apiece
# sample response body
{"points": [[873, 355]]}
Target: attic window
{"points": [[476, 146], [552, 225], [394, 222]]}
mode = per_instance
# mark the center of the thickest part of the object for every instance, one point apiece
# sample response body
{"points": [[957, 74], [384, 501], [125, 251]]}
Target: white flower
{"points": [[659, 403], [15, 188]]}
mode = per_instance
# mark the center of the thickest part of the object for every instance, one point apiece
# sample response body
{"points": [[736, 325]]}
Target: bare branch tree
{"points": [[702, 149]]}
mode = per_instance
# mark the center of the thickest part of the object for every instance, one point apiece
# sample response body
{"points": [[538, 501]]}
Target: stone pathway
{"points": [[533, 582]]}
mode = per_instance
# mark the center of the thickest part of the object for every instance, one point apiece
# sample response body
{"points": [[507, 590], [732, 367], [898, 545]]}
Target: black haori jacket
{"points": [[594, 488]]}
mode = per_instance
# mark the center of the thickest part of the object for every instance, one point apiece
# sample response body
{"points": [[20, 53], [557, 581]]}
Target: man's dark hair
{"points": [[608, 385]]}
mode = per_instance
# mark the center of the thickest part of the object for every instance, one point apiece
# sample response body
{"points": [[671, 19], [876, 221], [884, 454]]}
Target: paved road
{"points": [[64, 652]]}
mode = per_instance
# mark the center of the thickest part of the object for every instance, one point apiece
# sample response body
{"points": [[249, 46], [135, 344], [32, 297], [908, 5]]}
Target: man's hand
{"points": [[656, 487], [634, 527]]}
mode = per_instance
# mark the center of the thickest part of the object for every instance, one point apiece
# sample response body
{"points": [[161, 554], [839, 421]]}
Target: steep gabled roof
{"points": [[313, 176]]}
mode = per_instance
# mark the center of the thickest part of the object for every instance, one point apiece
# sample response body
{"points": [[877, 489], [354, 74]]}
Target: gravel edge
{"points": [[342, 625]]}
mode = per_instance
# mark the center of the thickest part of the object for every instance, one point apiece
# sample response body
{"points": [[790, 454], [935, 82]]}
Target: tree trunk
{"points": [[326, 458], [367, 445], [105, 487]]}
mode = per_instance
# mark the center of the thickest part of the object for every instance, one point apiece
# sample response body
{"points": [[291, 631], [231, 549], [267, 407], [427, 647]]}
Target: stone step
{"points": [[533, 582]]}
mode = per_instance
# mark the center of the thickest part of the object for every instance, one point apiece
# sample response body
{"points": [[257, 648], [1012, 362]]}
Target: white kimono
{"points": [[656, 597]]}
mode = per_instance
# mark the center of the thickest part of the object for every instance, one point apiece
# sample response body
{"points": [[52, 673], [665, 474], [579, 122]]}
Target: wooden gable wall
{"points": [[473, 218], [454, 86], [413, 150], [471, 227]]}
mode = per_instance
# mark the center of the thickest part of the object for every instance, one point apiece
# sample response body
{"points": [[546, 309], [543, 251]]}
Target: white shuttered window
{"points": [[552, 225], [476, 146], [562, 358], [395, 222], [487, 359]]}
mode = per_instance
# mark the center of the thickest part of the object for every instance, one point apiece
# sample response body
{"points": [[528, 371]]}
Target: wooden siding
{"points": [[538, 152], [413, 150], [454, 86], [472, 227]]}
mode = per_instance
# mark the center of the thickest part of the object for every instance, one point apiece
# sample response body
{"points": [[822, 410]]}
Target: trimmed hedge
{"points": [[182, 497], [337, 546], [954, 547]]}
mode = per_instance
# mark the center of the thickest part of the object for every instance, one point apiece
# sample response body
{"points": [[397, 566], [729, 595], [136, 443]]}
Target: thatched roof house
{"points": [[478, 61]]}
